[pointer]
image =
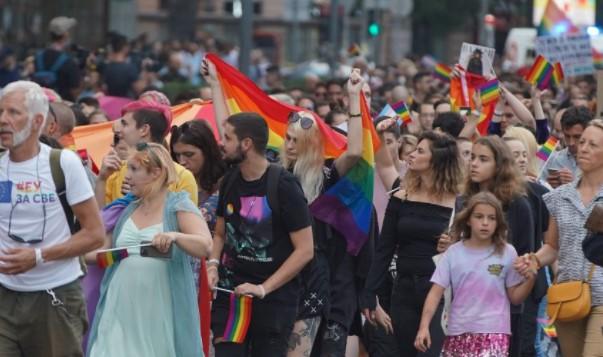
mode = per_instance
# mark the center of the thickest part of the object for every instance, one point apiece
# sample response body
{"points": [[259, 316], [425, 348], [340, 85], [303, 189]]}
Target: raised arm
{"points": [[522, 112], [542, 125], [384, 163], [210, 74], [353, 152]]}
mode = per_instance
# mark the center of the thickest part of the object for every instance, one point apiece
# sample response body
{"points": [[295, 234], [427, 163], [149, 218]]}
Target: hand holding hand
{"points": [[163, 241]]}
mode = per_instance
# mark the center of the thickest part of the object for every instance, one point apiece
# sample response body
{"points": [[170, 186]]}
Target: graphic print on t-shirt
{"points": [[248, 232], [31, 192]]}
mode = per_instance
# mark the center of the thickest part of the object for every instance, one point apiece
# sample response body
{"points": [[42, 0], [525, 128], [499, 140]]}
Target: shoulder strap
{"points": [[58, 176], [63, 57], [274, 173], [591, 272]]}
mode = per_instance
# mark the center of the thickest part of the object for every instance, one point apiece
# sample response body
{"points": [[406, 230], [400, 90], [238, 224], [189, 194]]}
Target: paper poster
{"points": [[477, 59], [573, 51]]}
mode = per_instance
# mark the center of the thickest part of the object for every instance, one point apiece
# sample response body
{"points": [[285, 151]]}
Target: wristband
{"points": [[39, 258], [263, 292], [476, 113], [354, 115], [215, 262]]}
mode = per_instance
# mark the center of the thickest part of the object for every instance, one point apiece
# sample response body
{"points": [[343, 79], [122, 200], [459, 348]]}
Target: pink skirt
{"points": [[477, 345]]}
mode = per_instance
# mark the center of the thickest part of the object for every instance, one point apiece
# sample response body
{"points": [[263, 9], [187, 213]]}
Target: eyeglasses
{"points": [[19, 239], [305, 122]]}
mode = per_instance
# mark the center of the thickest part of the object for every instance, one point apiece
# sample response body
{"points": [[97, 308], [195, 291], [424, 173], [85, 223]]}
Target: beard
{"points": [[236, 158], [20, 136]]}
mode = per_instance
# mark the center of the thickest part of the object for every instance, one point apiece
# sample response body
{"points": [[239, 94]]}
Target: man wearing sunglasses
{"points": [[43, 311]]}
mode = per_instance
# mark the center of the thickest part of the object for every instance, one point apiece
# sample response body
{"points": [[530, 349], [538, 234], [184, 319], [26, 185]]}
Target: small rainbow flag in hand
{"points": [[109, 257], [442, 72], [558, 74], [547, 148], [402, 112], [239, 318], [541, 72], [489, 92], [597, 59]]}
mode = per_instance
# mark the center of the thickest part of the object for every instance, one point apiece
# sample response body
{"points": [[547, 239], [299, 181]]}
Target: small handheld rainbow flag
{"points": [[558, 74], [239, 317], [107, 258], [489, 92], [547, 148], [402, 112], [354, 50], [541, 72], [442, 72], [597, 59]]}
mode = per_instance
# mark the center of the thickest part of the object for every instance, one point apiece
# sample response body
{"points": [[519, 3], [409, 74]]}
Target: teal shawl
{"points": [[187, 333]]}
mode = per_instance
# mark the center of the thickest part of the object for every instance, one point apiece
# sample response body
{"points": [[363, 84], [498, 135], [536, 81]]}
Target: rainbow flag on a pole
{"points": [[541, 72], [442, 72], [554, 22], [347, 206], [402, 111], [239, 317], [558, 74], [242, 95], [545, 151], [109, 257], [489, 92]]}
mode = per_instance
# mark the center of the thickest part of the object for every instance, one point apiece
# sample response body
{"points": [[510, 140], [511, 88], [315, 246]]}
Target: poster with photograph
{"points": [[477, 59]]}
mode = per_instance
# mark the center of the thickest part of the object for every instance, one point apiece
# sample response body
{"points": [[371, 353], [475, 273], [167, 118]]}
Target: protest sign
{"points": [[574, 52]]}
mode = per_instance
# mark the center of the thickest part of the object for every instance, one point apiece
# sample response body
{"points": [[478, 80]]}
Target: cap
{"points": [[61, 25]]}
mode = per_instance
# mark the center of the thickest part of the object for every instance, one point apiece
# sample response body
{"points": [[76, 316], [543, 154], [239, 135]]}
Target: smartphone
{"points": [[151, 252]]}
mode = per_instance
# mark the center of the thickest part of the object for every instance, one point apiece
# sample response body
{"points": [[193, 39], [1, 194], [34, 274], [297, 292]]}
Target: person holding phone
{"points": [[562, 166], [147, 306]]}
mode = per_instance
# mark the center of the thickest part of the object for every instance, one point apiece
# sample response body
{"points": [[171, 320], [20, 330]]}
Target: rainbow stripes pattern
{"points": [[442, 72], [347, 206], [239, 317], [547, 148], [489, 92], [541, 72], [105, 259], [554, 21], [558, 74], [597, 59], [402, 112], [242, 95]]}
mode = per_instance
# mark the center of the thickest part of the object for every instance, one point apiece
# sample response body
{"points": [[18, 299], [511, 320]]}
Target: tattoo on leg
{"points": [[303, 336]]}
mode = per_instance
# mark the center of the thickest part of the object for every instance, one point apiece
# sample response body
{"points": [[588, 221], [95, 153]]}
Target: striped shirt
{"points": [[566, 207]]}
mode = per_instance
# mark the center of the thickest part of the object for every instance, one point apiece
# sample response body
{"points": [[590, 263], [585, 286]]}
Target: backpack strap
{"points": [[274, 173], [60, 61], [58, 176]]}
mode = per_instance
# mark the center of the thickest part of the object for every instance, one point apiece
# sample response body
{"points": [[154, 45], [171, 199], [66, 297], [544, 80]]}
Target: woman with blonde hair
{"points": [[329, 277], [147, 305], [529, 141]]}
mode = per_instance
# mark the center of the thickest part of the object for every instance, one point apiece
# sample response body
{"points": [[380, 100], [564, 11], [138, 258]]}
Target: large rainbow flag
{"points": [[347, 206], [242, 95], [554, 21]]}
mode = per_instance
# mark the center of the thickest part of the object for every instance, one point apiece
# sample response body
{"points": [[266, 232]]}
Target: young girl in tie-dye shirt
{"points": [[479, 271]]}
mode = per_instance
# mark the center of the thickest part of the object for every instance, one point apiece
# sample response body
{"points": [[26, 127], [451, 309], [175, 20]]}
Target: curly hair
{"points": [[507, 183], [444, 165], [461, 230]]}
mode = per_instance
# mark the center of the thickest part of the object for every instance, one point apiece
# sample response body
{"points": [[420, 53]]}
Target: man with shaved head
{"points": [[60, 123]]}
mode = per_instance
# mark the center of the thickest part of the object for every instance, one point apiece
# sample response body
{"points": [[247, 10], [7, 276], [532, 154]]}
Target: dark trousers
{"points": [[408, 296], [35, 324], [378, 342], [268, 334]]}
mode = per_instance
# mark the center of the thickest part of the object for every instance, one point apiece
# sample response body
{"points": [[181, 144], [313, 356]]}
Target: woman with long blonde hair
{"points": [[327, 278]]}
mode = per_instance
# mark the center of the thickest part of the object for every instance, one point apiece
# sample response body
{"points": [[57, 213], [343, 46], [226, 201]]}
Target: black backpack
{"points": [[47, 77]]}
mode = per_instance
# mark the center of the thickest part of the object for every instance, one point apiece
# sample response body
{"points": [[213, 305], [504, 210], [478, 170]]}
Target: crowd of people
{"points": [[468, 230]]}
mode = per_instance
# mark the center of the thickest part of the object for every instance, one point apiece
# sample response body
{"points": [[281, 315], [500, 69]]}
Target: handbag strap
{"points": [[591, 272]]}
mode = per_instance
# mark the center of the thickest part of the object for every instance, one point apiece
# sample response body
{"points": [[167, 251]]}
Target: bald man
{"points": [[60, 123]]}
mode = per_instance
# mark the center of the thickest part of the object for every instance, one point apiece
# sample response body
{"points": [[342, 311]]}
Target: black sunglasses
{"points": [[305, 122], [19, 239]]}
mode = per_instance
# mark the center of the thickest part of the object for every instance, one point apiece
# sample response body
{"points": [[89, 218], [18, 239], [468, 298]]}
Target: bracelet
{"points": [[263, 291], [215, 262], [213, 267], [39, 258], [354, 115]]}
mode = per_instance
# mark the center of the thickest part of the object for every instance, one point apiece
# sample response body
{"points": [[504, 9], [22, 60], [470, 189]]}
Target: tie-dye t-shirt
{"points": [[479, 279]]}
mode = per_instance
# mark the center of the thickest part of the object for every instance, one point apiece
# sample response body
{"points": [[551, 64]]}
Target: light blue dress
{"points": [[140, 322], [158, 296]]}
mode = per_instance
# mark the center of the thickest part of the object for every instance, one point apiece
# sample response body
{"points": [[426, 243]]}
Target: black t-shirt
{"points": [[68, 76], [119, 77], [255, 244]]}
